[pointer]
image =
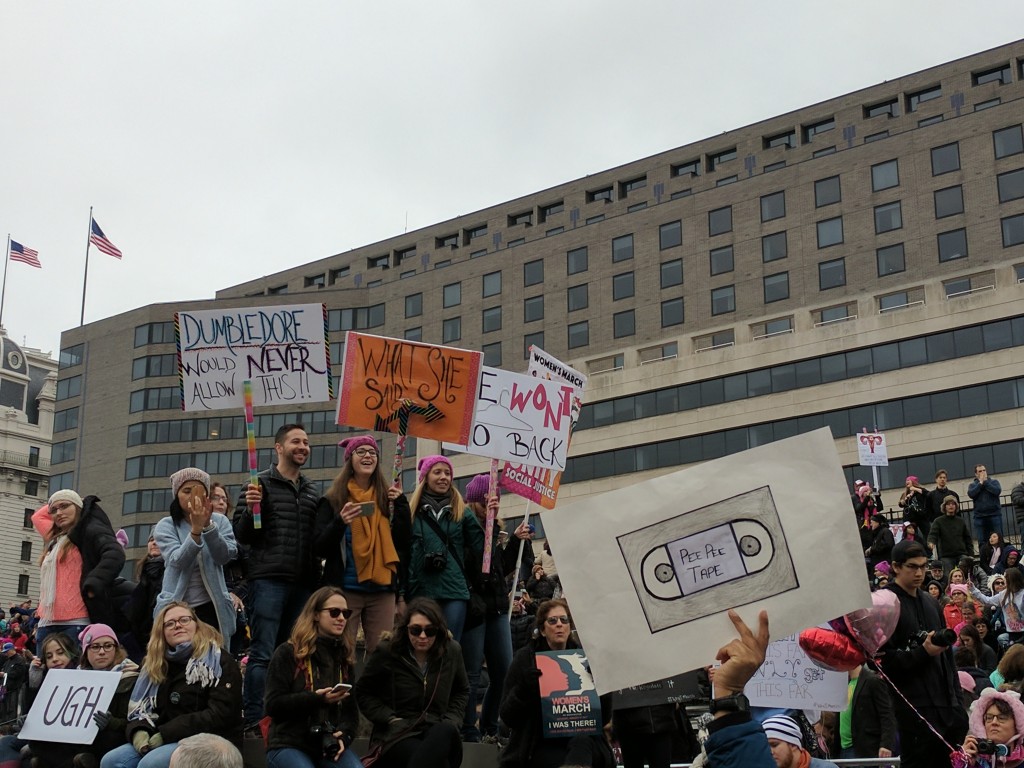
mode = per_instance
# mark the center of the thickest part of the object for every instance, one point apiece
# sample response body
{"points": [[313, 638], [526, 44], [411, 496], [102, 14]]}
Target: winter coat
{"points": [[418, 539], [186, 708], [872, 723], [332, 541], [493, 586], [986, 497], [282, 548], [1017, 499], [520, 708], [935, 497], [915, 508], [182, 555], [141, 605], [736, 741], [294, 708], [985, 552], [882, 542], [102, 561], [392, 685], [951, 537]]}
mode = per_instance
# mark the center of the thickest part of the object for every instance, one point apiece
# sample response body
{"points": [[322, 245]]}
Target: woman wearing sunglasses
{"points": [[521, 707], [313, 717], [414, 691]]}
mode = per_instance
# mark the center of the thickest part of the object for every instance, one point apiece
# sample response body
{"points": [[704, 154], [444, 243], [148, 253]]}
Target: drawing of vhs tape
{"points": [[729, 553]]}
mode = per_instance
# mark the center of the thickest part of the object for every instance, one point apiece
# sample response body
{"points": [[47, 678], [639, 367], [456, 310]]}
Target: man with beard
{"points": [[921, 667], [282, 572]]}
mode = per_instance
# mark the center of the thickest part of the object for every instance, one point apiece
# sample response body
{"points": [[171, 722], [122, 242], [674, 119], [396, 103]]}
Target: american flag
{"points": [[97, 238], [25, 255]]}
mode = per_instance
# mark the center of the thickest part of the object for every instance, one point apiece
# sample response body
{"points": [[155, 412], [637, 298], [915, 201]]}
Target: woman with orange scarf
{"points": [[353, 535]]}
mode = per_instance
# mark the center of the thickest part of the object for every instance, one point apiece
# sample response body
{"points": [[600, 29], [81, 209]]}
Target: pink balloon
{"points": [[871, 627], [831, 650], [839, 625]]}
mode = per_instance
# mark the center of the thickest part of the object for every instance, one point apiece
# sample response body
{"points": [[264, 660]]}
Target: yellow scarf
{"points": [[372, 547]]}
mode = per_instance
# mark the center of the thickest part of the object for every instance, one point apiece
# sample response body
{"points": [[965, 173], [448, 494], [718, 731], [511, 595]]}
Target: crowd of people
{"points": [[247, 618]]}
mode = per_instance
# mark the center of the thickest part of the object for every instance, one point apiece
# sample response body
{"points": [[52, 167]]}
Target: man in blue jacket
{"points": [[988, 510]]}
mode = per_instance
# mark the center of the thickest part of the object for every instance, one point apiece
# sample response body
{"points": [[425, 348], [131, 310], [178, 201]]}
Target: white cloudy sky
{"points": [[220, 141]]}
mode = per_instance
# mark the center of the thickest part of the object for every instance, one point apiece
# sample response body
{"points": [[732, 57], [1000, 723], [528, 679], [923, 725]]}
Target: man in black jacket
{"points": [[282, 572], [16, 673], [921, 669], [867, 727]]}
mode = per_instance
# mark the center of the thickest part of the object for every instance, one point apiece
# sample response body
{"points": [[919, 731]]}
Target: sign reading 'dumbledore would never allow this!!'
{"points": [[282, 350]]}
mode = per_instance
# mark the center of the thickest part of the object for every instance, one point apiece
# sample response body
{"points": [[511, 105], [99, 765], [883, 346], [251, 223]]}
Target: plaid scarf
{"points": [[204, 672]]}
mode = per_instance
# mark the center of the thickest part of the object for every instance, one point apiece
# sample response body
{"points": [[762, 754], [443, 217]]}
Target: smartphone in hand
{"points": [[366, 508]]}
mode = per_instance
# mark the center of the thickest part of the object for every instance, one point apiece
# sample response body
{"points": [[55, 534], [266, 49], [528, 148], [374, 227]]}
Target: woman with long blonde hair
{"points": [[189, 684], [433, 542], [353, 534], [313, 717]]}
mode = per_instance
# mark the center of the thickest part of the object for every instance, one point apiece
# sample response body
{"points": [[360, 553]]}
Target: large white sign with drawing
{"points": [[63, 708], [663, 560], [521, 418]]}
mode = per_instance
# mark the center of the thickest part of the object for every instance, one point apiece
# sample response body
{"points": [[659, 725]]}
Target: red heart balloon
{"points": [[831, 650]]}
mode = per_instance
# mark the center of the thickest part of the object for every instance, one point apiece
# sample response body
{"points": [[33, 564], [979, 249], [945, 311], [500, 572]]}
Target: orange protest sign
{"points": [[388, 384]]}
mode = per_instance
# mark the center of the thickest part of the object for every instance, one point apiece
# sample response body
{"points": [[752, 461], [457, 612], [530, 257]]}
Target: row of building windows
{"points": [[63, 451], [222, 462], [922, 350], [71, 356], [229, 427]]}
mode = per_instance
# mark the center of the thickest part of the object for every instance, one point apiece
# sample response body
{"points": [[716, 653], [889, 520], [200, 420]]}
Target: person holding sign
{"points": [[353, 535], [433, 542], [414, 691], [521, 703], [82, 558], [490, 636], [196, 544], [101, 651], [313, 717], [189, 684]]}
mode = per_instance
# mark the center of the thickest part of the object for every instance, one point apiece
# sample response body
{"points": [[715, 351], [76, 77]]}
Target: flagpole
{"points": [[3, 291], [85, 277]]}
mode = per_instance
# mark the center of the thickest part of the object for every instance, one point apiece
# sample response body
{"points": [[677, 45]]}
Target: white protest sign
{"points": [[663, 560], [872, 449], [281, 349], [63, 708], [788, 679], [521, 418]]}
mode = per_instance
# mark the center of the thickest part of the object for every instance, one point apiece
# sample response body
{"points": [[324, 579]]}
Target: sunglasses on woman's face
{"points": [[416, 630], [336, 612], [553, 620]]}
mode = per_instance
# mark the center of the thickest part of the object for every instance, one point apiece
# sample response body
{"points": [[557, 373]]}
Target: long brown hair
{"points": [[337, 494], [304, 632], [400, 645], [155, 663]]}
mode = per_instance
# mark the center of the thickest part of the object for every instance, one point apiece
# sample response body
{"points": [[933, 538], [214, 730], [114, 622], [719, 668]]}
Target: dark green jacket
{"points": [[415, 539]]}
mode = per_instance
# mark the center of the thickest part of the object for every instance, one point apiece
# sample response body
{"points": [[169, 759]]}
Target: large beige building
{"points": [[855, 263], [28, 380]]}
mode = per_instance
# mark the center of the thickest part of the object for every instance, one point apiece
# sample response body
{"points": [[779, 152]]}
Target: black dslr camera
{"points": [[329, 745], [435, 562], [989, 747], [943, 638]]}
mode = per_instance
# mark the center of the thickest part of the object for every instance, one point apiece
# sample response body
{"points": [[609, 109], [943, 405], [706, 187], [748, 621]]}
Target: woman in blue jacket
{"points": [[196, 544]]}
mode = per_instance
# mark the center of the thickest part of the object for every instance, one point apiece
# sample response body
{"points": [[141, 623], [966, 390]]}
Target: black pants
{"points": [[590, 751], [919, 747], [652, 749], [438, 747]]}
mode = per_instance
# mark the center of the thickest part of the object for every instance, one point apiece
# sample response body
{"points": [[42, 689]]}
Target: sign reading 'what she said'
{"points": [[282, 350]]}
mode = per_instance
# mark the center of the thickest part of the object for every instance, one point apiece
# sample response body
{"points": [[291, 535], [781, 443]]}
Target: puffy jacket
{"points": [[294, 709], [185, 709], [102, 561], [182, 555], [282, 548], [417, 538], [1017, 498], [736, 741]]}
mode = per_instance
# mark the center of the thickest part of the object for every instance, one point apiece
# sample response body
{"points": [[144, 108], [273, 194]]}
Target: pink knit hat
{"points": [[477, 489], [966, 681], [427, 462], [351, 443], [985, 700], [94, 632], [954, 588]]}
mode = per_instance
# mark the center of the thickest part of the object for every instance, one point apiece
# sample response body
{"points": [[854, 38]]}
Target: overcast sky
{"points": [[221, 141]]}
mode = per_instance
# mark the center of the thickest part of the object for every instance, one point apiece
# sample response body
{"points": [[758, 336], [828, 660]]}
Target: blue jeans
{"points": [[273, 607], [296, 758], [71, 630], [125, 756], [986, 526], [454, 616], [491, 639]]}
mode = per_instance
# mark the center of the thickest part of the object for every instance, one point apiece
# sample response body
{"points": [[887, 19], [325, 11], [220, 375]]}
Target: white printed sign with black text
{"points": [[63, 708]]}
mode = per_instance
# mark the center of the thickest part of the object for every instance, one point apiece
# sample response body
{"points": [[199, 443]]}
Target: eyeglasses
{"points": [[184, 621], [416, 630], [105, 647], [913, 566], [336, 612], [364, 452], [553, 620], [997, 717]]}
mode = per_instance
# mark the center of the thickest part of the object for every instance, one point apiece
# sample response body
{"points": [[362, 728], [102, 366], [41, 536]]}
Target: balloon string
{"points": [[878, 668]]}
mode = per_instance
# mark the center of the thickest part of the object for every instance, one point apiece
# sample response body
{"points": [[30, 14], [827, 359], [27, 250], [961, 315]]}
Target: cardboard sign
{"points": [[569, 704], [392, 385], [63, 708], [790, 680], [746, 531], [538, 484], [872, 449], [521, 418], [678, 689], [283, 350]]}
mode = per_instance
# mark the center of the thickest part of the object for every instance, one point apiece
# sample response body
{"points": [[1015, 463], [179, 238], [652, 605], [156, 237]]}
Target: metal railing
{"points": [[23, 460]]}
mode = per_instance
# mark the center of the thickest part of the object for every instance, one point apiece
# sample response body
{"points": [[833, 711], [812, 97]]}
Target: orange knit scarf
{"points": [[372, 546]]}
